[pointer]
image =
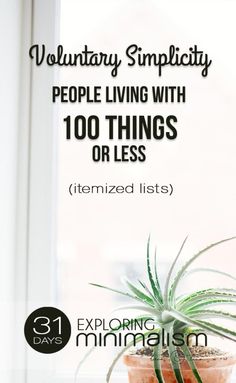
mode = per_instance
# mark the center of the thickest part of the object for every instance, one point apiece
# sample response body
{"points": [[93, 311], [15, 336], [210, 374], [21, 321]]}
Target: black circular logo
{"points": [[47, 330]]}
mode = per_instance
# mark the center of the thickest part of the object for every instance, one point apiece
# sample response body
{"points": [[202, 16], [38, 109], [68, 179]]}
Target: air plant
{"points": [[173, 313]]}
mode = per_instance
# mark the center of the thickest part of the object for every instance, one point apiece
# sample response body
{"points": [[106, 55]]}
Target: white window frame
{"points": [[42, 143], [31, 194]]}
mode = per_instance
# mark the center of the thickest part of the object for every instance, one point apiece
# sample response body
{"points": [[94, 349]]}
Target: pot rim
{"points": [[143, 361]]}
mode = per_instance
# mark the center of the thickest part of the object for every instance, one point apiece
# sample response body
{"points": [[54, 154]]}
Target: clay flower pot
{"points": [[212, 370]]}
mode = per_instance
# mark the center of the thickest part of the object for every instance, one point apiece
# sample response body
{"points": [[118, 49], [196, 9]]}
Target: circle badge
{"points": [[47, 330]]}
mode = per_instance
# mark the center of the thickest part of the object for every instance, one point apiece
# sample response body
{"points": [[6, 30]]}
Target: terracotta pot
{"points": [[212, 370]]}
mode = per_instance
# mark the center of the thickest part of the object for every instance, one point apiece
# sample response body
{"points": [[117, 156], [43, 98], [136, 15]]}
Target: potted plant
{"points": [[191, 313]]}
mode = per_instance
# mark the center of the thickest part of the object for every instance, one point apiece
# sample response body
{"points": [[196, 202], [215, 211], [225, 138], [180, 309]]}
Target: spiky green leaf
{"points": [[119, 292], [157, 362], [207, 326], [191, 363], [138, 293], [212, 314], [210, 302], [209, 270], [145, 309], [205, 296], [222, 331], [156, 276], [168, 279], [156, 291], [156, 302], [174, 358], [189, 262]]}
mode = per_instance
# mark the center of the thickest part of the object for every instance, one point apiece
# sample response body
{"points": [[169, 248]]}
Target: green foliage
{"points": [[170, 311]]}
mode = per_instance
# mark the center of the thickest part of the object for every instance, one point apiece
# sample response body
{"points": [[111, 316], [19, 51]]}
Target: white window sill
{"points": [[116, 378], [93, 378]]}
